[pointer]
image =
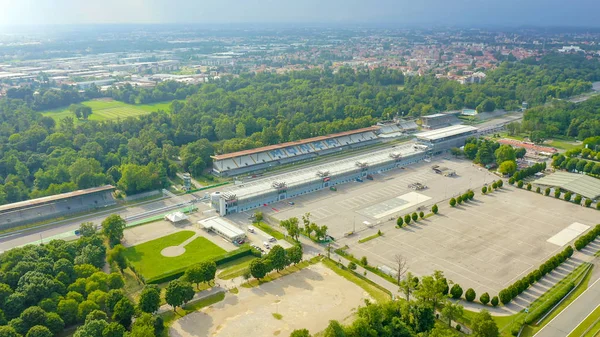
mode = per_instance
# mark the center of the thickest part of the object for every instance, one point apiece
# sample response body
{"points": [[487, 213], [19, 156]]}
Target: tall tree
{"points": [[112, 228], [483, 325], [178, 293], [149, 300]]}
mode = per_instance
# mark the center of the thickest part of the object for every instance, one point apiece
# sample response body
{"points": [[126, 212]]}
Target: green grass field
{"points": [[147, 259], [235, 268], [103, 110]]}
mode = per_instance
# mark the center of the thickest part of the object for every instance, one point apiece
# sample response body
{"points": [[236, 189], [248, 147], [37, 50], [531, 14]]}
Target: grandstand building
{"points": [[289, 185], [236, 163], [443, 139], [396, 128], [440, 120], [30, 211]]}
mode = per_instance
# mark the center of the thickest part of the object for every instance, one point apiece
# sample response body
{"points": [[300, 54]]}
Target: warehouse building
{"points": [[443, 139], [30, 211], [222, 227], [580, 184], [289, 185], [243, 162]]}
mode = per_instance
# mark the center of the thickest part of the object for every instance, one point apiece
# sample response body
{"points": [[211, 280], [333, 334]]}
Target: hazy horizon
{"points": [[508, 13]]}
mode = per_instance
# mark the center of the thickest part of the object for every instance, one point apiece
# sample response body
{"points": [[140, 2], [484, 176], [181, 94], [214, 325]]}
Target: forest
{"points": [[41, 157]]}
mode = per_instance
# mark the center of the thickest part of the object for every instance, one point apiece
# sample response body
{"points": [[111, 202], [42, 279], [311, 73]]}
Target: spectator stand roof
{"points": [[450, 131], [580, 184], [53, 198]]}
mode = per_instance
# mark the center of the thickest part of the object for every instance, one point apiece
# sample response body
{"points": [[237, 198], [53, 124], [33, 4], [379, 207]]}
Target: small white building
{"points": [[222, 227]]}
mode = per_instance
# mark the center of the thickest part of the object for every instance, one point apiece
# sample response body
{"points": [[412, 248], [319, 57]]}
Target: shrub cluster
{"points": [[587, 238], [549, 303], [527, 172], [508, 294]]}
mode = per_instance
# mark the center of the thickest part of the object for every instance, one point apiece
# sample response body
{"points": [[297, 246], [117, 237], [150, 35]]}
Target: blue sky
{"points": [[401, 12]]}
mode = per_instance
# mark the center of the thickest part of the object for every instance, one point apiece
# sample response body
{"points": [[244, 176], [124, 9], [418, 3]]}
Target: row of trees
{"points": [[574, 164], [568, 196], [292, 225], [508, 294], [465, 197], [277, 259], [527, 172], [587, 238], [408, 218]]}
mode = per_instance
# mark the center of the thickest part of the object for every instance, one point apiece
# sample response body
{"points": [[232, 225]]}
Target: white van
{"points": [[267, 245], [250, 229], [271, 239]]}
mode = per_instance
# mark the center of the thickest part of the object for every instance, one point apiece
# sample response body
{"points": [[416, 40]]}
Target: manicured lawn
{"points": [[269, 230], [235, 268], [108, 109], [563, 144], [147, 259], [379, 294]]}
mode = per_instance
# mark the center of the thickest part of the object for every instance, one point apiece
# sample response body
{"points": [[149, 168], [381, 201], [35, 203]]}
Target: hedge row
{"points": [[219, 260], [508, 294], [524, 173], [549, 303], [587, 238]]}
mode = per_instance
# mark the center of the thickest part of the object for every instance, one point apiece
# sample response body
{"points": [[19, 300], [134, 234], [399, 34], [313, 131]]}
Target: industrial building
{"points": [[222, 227], [443, 139], [440, 120], [289, 185], [23, 212], [242, 162], [580, 184]]}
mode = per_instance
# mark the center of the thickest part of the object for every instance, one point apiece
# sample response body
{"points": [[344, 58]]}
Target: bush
{"points": [[484, 299], [459, 199], [399, 221], [499, 183], [494, 301], [520, 184], [470, 295], [421, 215], [587, 238], [494, 185], [458, 327], [483, 190], [453, 202], [568, 196], [465, 197], [364, 261], [598, 206], [407, 219], [557, 193], [456, 291], [549, 303], [415, 216], [505, 296], [577, 199], [547, 191], [434, 208], [588, 202], [538, 190], [511, 180], [352, 265], [529, 186], [471, 194]]}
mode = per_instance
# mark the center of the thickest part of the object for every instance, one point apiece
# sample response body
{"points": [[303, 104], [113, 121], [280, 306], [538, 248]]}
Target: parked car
{"points": [[250, 229], [272, 239], [291, 203], [267, 245]]}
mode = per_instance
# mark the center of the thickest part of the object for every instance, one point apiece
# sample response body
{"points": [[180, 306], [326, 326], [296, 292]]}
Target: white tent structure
{"points": [[176, 217]]}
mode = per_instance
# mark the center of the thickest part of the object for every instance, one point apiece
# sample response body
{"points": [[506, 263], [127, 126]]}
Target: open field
{"points": [[109, 109], [150, 262], [300, 298]]}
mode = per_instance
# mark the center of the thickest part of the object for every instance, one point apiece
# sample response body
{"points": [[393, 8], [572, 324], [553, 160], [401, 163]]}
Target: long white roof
{"points": [[308, 174], [222, 225], [445, 132]]}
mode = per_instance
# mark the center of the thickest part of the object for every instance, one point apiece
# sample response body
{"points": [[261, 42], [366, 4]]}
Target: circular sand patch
{"points": [[172, 251]]}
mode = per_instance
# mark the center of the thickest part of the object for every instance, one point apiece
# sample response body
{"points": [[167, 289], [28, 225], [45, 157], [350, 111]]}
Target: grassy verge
{"points": [[368, 238], [235, 268], [589, 326], [508, 323], [269, 230], [575, 276], [374, 270], [275, 275], [170, 317], [378, 293]]}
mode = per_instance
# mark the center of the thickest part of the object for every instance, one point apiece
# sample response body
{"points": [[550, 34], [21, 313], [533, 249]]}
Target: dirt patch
{"points": [[300, 298], [172, 251]]}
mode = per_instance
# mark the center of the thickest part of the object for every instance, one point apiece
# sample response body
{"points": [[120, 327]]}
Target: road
{"points": [[61, 229], [573, 314]]}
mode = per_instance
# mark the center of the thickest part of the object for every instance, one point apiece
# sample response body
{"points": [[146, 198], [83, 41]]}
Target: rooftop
{"points": [[222, 225], [43, 200], [341, 166], [445, 132], [288, 144], [581, 184]]}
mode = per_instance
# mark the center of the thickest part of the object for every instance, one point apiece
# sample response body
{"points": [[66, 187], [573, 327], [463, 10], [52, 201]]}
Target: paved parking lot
{"points": [[487, 244]]}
